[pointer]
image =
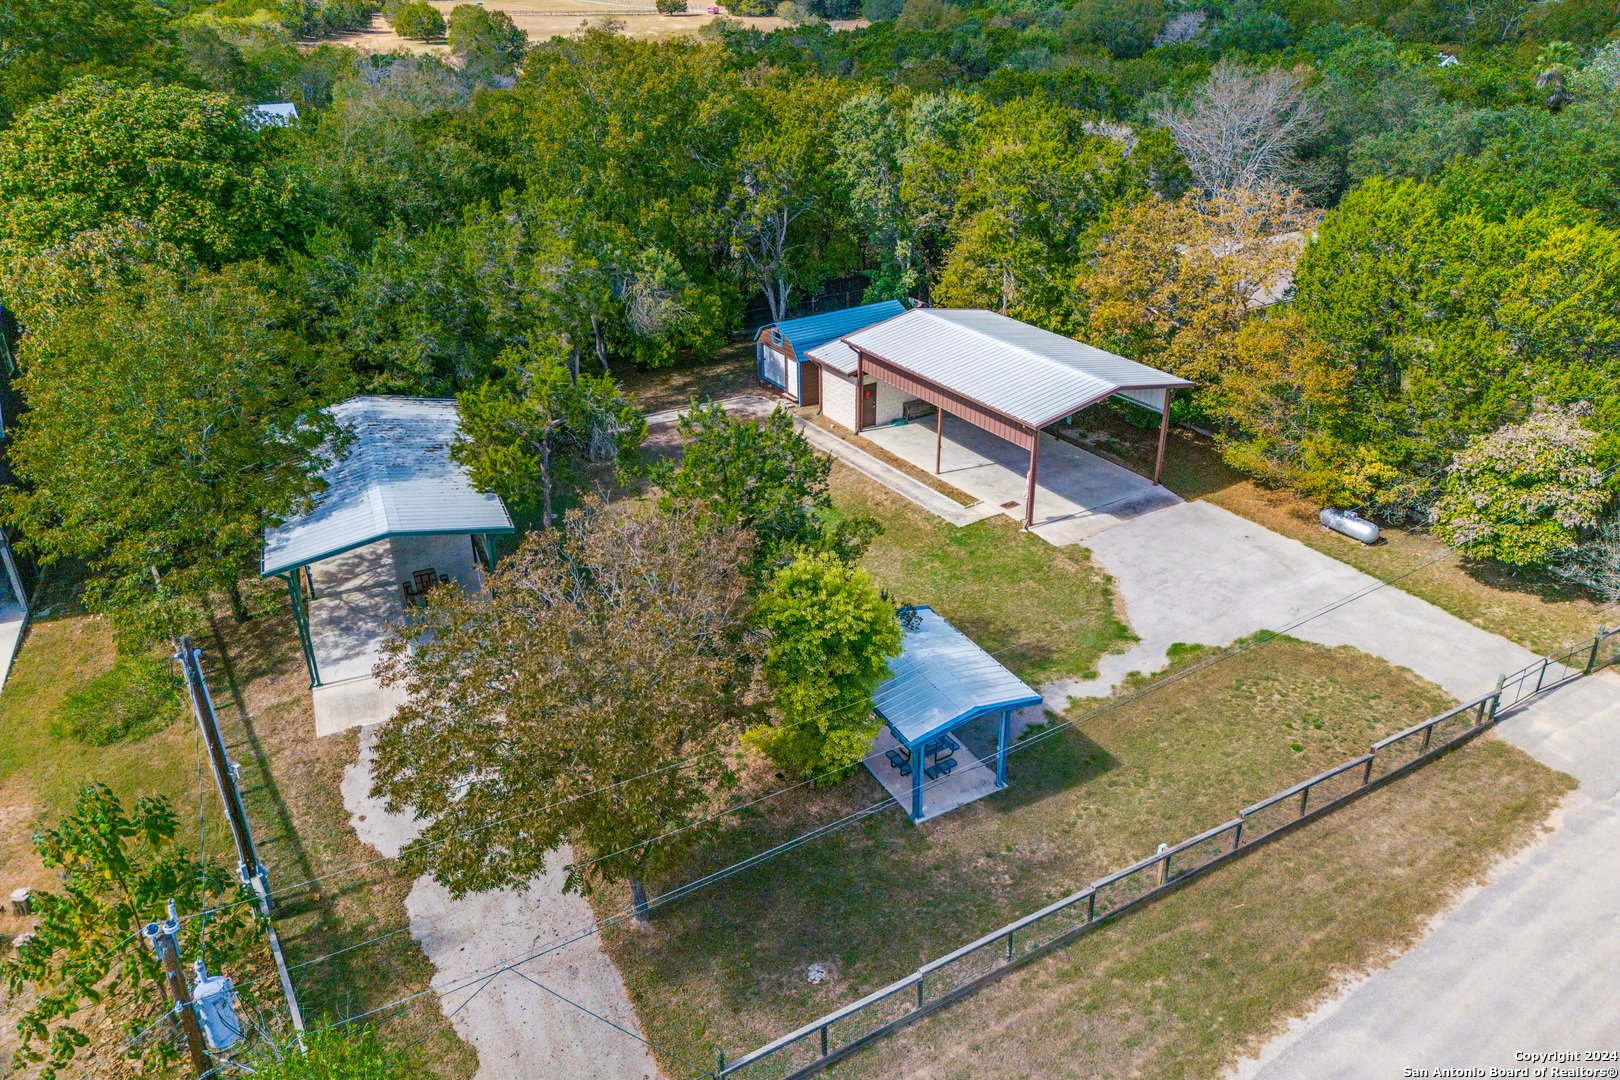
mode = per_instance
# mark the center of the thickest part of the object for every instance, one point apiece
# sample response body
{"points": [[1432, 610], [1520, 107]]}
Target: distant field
{"points": [[545, 19]]}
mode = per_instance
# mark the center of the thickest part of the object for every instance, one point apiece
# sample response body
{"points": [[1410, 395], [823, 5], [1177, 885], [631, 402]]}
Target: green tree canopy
{"points": [[1522, 494], [119, 868], [486, 40], [761, 476], [607, 651], [183, 162], [170, 421], [832, 637], [521, 440], [420, 21]]}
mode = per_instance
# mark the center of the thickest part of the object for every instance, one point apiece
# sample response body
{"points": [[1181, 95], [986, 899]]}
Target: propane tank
{"points": [[1350, 524]]}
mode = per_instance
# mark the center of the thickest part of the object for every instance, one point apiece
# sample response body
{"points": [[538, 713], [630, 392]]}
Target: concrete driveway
{"points": [[1524, 963], [1077, 495]]}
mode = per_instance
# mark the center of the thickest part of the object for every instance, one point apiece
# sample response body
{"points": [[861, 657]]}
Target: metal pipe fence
{"points": [[827, 1039]]}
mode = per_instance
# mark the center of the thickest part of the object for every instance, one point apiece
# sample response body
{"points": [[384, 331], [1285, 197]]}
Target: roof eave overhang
{"points": [[970, 715], [1180, 384], [267, 570]]}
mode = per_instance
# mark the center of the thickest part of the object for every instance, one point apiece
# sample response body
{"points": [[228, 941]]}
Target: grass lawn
{"points": [[1540, 612], [1186, 986], [1045, 612], [871, 903]]}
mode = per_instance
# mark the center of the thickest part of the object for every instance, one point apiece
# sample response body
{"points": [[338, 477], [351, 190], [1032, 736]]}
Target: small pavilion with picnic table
{"points": [[947, 714]]}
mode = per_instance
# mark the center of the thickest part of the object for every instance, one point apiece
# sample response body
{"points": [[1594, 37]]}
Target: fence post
{"points": [[1496, 698], [824, 1041], [1366, 774], [1542, 674], [1428, 733], [1303, 797], [1237, 835], [1592, 659], [1009, 946], [919, 992], [1164, 870], [719, 1062], [1091, 906]]}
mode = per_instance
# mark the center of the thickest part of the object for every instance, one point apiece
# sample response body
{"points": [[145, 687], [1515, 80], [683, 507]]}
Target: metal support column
{"points": [[939, 437], [301, 617], [860, 389], [916, 781], [1029, 484], [1001, 748], [1164, 435]]}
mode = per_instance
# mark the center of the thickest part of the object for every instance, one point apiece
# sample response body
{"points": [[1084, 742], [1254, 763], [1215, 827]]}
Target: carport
{"points": [[397, 518], [947, 701], [1003, 376]]}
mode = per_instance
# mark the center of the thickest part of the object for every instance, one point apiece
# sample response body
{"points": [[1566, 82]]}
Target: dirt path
{"points": [[565, 1014]]}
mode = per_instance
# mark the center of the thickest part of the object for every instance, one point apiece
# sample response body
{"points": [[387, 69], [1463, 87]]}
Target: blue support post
{"points": [[1001, 748], [916, 782], [301, 618]]}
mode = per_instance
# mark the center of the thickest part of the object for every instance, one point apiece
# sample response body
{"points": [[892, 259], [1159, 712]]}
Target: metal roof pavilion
{"points": [[813, 330], [1027, 374], [942, 680], [396, 480]]}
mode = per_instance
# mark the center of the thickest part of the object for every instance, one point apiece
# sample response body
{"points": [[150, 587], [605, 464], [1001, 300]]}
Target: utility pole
{"points": [[162, 939], [248, 867]]}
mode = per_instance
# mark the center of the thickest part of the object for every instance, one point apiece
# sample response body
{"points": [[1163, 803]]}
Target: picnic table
{"points": [[940, 749]]}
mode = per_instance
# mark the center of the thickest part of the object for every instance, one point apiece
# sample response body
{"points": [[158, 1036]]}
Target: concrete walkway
{"points": [[519, 1022]]}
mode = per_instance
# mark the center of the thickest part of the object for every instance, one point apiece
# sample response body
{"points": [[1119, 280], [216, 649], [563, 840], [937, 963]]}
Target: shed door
{"points": [[869, 405], [809, 384], [773, 367]]}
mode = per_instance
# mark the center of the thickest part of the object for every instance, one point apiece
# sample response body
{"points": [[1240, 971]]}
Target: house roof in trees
{"points": [[397, 479], [813, 330], [942, 680], [1029, 375]]}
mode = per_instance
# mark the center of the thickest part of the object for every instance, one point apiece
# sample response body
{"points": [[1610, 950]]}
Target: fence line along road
{"points": [[835, 1036]]}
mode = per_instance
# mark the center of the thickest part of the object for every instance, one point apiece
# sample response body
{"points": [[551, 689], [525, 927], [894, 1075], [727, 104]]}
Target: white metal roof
{"points": [[942, 680], [396, 480], [1021, 371], [835, 355]]}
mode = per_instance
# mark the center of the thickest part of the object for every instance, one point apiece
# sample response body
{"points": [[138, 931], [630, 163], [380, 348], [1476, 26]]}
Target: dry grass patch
{"points": [[1184, 987], [727, 966], [892, 460], [731, 372], [291, 789]]}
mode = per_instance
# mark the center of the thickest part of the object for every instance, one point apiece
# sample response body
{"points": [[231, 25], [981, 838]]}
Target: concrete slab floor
{"points": [[970, 781], [1077, 495]]}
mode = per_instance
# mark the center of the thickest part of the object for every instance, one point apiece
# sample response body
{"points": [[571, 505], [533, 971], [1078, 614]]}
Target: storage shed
{"points": [[782, 348]]}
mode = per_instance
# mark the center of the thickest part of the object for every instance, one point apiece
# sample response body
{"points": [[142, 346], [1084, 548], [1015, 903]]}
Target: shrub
{"points": [[1522, 494], [137, 697], [419, 21]]}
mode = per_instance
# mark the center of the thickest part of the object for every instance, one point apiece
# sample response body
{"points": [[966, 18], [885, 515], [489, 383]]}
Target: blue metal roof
{"points": [[812, 330], [942, 680]]}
